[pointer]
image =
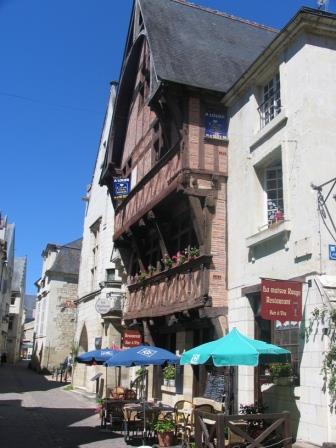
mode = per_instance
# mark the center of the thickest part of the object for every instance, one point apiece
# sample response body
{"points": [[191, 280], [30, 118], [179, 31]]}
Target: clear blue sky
{"points": [[57, 59]]}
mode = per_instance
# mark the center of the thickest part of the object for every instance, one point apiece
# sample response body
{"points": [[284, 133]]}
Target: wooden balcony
{"points": [[174, 290], [151, 189]]}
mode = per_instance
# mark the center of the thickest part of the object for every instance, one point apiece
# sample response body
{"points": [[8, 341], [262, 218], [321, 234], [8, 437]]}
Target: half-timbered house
{"points": [[168, 137]]}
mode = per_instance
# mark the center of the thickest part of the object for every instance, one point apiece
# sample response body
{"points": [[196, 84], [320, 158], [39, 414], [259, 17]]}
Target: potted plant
{"points": [[142, 277], [165, 431], [282, 374], [169, 375], [193, 252], [167, 261], [151, 269]]}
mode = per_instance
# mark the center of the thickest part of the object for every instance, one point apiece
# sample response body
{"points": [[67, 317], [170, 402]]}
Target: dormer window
{"points": [[271, 101]]}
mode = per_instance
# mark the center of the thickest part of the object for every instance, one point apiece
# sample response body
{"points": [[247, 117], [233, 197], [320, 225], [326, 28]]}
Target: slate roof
{"points": [[68, 258], [19, 273], [199, 47]]}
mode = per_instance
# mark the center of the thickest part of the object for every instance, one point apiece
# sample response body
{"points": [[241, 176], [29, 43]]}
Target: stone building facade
{"points": [[281, 213], [16, 309], [7, 242], [55, 320], [100, 293]]}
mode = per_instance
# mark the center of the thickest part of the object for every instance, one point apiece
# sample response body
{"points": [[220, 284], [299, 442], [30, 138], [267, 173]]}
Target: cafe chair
{"points": [[133, 423], [113, 415], [183, 410]]}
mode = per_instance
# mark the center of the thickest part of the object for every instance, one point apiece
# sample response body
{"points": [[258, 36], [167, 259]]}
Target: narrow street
{"points": [[36, 412]]}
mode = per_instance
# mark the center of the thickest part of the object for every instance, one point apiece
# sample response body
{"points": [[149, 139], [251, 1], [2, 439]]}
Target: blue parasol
{"points": [[143, 355], [97, 356]]}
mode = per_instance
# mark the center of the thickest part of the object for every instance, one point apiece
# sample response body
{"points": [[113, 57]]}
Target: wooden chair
{"points": [[133, 423], [183, 411], [112, 413]]}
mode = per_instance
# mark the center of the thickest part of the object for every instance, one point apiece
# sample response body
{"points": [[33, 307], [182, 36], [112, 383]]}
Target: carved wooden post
{"points": [[287, 435], [198, 430], [220, 430]]}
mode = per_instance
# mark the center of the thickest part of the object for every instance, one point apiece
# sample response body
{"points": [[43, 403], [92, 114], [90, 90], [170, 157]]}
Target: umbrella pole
{"points": [[144, 427], [106, 382]]}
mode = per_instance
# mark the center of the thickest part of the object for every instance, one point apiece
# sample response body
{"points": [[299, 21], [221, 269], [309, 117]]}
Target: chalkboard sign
{"points": [[215, 387]]}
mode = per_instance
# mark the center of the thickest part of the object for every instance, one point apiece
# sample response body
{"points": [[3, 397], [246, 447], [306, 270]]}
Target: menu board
{"points": [[215, 387]]}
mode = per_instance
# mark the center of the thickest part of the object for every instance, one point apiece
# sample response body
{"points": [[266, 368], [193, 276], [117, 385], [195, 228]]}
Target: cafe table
{"points": [[134, 412]]}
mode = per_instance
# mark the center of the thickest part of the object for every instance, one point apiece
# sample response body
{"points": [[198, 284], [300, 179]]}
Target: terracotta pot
{"points": [[166, 438]]}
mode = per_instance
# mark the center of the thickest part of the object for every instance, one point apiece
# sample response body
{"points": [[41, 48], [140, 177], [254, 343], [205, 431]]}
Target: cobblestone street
{"points": [[36, 412]]}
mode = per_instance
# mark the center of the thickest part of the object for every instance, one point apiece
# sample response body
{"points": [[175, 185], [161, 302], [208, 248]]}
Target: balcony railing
{"points": [[176, 289]]}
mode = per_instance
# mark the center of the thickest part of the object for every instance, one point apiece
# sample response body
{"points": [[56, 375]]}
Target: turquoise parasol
{"points": [[235, 349]]}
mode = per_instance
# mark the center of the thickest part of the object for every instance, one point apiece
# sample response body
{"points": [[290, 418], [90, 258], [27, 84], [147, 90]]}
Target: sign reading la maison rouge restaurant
{"points": [[121, 188], [215, 126], [281, 300]]}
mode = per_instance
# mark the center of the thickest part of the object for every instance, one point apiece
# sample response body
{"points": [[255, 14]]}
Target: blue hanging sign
{"points": [[215, 126], [332, 251], [121, 188]]}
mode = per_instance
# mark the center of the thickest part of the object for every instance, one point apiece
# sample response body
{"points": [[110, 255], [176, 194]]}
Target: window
{"points": [[13, 300], [10, 322], [95, 229], [271, 101], [182, 234], [287, 336], [274, 193], [110, 275], [153, 252]]}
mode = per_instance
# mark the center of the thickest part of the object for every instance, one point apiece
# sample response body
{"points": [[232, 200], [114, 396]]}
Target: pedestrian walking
{"points": [[67, 367]]}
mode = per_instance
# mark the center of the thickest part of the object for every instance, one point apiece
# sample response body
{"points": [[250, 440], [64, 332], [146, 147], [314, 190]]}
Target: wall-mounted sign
{"points": [[215, 126], [103, 305], [332, 251], [281, 300], [121, 188], [131, 338]]}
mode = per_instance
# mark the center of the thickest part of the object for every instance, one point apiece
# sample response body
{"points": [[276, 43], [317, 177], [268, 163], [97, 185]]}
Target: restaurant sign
{"points": [[281, 300], [215, 126], [121, 188], [103, 305], [131, 338]]}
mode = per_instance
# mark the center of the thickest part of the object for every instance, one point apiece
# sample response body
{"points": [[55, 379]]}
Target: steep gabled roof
{"points": [[200, 47], [68, 258]]}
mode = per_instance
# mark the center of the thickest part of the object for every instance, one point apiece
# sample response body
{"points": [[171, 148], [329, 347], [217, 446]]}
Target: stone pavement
{"points": [[38, 413]]}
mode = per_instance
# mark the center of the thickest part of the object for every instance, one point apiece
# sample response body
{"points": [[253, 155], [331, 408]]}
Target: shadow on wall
{"points": [[283, 398]]}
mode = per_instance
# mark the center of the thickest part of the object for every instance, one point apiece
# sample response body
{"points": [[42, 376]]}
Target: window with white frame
{"points": [[271, 101], [274, 193], [95, 231]]}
